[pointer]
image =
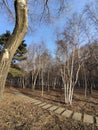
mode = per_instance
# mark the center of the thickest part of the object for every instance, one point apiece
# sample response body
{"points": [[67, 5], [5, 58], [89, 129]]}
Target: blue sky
{"points": [[44, 32]]}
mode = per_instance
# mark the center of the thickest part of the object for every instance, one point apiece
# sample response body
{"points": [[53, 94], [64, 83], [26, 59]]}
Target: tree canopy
{"points": [[21, 50]]}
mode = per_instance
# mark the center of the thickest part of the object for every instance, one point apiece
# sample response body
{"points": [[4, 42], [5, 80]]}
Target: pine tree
{"points": [[19, 54]]}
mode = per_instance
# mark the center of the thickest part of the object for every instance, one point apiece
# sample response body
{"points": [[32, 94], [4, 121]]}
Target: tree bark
{"points": [[21, 26]]}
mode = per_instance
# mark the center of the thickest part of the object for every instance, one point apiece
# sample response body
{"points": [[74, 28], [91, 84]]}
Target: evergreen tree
{"points": [[19, 55], [3, 39]]}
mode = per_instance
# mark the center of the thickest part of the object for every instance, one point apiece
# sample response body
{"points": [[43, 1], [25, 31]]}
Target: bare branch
{"points": [[8, 9]]}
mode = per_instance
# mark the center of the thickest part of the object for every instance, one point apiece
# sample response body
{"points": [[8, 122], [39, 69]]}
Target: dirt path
{"points": [[20, 112], [85, 118]]}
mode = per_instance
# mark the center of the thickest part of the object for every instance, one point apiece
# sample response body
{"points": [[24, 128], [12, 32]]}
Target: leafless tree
{"points": [[15, 40], [20, 29], [69, 57]]}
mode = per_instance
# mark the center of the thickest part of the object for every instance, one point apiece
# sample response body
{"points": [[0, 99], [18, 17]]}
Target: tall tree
{"points": [[21, 26], [68, 52]]}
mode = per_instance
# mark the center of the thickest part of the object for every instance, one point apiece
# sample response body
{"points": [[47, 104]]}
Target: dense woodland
{"points": [[40, 70]]}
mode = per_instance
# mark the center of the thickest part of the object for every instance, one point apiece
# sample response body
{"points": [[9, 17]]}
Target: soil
{"points": [[88, 105], [16, 113]]}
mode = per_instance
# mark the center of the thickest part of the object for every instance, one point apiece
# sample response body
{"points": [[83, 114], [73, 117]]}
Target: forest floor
{"points": [[18, 114], [88, 105]]}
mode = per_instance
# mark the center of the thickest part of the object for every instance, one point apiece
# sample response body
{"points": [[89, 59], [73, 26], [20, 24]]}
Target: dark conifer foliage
{"points": [[19, 55]]}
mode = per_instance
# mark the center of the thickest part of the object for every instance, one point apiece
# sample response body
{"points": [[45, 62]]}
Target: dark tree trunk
{"points": [[14, 41]]}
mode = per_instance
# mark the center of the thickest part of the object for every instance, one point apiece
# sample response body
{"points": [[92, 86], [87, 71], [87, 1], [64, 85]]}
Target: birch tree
{"points": [[69, 57]]}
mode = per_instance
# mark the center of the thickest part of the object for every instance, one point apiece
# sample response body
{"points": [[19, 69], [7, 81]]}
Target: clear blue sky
{"points": [[47, 32]]}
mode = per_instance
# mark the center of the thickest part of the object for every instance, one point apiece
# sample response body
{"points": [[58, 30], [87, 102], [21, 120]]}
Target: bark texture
{"points": [[21, 26]]}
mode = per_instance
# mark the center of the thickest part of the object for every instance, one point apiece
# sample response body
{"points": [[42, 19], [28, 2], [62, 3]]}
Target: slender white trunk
{"points": [[42, 80], [23, 82], [34, 78], [68, 93], [48, 82], [54, 83], [42, 84], [85, 85]]}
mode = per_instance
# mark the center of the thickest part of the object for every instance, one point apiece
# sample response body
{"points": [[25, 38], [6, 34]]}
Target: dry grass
{"points": [[16, 113], [81, 104]]}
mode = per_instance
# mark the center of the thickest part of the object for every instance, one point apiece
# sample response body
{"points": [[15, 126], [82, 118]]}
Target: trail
{"points": [[85, 118]]}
